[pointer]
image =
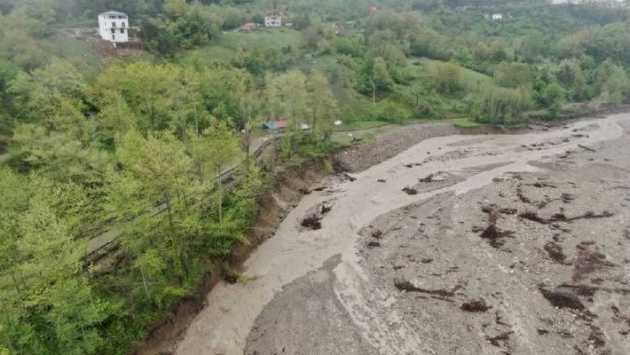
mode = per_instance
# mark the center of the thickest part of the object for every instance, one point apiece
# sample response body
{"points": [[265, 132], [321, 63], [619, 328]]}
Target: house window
{"points": [[122, 30], [113, 30], [114, 24], [123, 24], [113, 37]]}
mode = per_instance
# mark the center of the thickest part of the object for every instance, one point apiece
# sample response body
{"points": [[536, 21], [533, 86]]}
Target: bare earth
{"points": [[499, 244]]}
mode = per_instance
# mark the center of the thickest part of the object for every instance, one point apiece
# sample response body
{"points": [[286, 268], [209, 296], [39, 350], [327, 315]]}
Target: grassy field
{"points": [[465, 123], [470, 78], [75, 50], [225, 48]]}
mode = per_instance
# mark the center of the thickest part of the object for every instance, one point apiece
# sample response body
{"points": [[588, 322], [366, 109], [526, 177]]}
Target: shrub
{"points": [[447, 78], [501, 106]]}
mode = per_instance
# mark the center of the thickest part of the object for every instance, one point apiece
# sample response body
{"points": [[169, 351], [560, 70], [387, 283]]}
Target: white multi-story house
{"points": [[114, 26], [493, 17], [273, 19]]}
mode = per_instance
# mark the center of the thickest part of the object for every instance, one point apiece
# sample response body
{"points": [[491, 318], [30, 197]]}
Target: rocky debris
{"points": [[381, 180], [562, 298], [597, 336], [388, 145], [420, 242], [373, 244], [560, 217], [495, 236], [588, 261], [452, 155], [348, 177], [507, 210], [500, 340], [405, 285], [541, 185], [521, 196], [587, 148], [567, 197], [320, 188], [410, 190], [533, 216], [230, 276], [592, 215], [313, 221], [475, 306], [555, 252], [434, 177]]}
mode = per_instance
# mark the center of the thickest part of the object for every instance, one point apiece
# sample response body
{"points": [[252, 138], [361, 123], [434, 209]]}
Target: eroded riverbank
{"points": [[369, 315]]}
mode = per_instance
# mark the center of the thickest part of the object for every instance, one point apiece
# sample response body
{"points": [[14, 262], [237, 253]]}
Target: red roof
{"points": [[248, 26]]}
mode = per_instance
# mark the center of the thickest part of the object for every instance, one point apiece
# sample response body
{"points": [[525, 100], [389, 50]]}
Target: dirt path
{"points": [[366, 314]]}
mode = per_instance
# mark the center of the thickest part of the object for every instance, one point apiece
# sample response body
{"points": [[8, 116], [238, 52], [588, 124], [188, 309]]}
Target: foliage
{"points": [[129, 153], [501, 106], [447, 78], [181, 26]]}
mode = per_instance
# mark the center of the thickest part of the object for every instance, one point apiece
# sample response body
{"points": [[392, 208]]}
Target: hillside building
{"points": [[273, 19], [114, 26]]}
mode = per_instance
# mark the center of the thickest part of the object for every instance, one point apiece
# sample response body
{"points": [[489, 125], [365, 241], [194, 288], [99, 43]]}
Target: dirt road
{"points": [[467, 260]]}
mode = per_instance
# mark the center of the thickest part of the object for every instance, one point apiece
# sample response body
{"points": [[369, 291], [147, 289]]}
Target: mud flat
{"points": [[509, 245]]}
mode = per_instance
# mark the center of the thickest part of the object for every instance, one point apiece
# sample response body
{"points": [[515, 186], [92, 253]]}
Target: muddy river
{"points": [[366, 311]]}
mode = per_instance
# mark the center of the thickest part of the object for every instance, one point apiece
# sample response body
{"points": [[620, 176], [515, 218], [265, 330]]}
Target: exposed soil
{"points": [[523, 251], [274, 205], [390, 144]]}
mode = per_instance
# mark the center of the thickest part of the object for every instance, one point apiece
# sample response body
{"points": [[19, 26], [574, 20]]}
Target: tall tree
{"points": [[382, 81], [323, 105], [216, 148]]}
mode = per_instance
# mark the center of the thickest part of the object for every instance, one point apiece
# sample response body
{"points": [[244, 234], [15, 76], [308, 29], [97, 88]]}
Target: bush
{"points": [[501, 106], [447, 78], [514, 75], [392, 112]]}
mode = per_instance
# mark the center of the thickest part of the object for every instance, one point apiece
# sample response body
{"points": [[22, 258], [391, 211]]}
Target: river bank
{"points": [[375, 322]]}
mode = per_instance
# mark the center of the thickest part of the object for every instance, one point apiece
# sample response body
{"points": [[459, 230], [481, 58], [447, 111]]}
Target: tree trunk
{"points": [[220, 196], [144, 284], [196, 119], [373, 92]]}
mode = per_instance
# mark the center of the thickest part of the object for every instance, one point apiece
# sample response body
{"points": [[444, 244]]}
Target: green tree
{"points": [[501, 106], [288, 98], [382, 81], [532, 47], [447, 78], [156, 172], [323, 105], [216, 148], [554, 97], [611, 82]]}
